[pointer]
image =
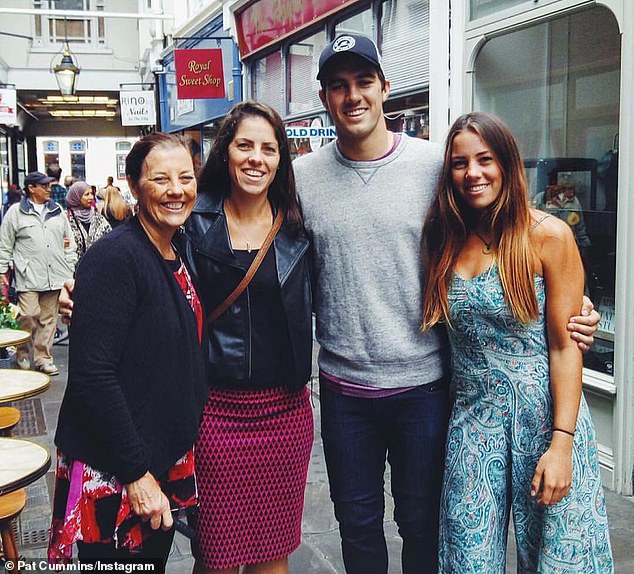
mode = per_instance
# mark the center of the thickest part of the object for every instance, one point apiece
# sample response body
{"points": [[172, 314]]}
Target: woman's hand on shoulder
{"points": [[148, 501]]}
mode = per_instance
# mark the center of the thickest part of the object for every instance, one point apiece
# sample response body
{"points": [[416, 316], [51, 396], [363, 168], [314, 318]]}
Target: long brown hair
{"points": [[449, 222], [114, 205], [214, 177]]}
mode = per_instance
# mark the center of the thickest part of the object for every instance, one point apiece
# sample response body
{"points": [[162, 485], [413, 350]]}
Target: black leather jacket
{"points": [[216, 273]]}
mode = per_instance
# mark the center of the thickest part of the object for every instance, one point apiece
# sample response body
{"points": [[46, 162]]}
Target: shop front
{"points": [[280, 43], [559, 72], [12, 142], [187, 106]]}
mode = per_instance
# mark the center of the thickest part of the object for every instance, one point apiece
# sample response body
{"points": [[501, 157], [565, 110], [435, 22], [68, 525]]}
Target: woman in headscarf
{"points": [[86, 222]]}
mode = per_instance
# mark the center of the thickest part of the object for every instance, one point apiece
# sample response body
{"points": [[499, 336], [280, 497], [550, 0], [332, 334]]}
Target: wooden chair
{"points": [[9, 417], [10, 506]]}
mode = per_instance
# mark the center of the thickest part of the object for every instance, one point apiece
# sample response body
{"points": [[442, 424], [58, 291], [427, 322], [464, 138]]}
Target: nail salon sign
{"points": [[199, 74], [137, 108]]}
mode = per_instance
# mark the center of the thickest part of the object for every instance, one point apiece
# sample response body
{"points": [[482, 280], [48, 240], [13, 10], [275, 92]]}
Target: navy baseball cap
{"points": [[356, 44], [36, 177]]}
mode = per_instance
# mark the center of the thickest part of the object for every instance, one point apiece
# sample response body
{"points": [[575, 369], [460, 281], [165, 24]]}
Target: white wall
{"points": [[101, 158], [102, 67]]}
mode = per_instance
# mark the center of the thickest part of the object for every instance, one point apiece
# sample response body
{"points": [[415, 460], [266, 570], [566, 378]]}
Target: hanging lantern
{"points": [[66, 72]]}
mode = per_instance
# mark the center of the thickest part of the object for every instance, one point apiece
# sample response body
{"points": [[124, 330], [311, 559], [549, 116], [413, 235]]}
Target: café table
{"points": [[16, 384], [22, 462], [9, 337]]}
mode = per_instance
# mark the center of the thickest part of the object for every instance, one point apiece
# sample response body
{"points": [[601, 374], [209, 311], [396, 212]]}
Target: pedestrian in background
{"points": [[36, 236], [136, 376], [86, 223], [14, 195], [257, 428], [58, 192], [115, 209], [505, 278]]}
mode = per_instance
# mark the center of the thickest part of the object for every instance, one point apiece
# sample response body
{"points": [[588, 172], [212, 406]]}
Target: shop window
{"points": [[55, 30], [122, 148], [210, 132], [405, 39], [51, 152], [303, 61], [267, 81], [78, 159], [558, 89], [4, 164], [307, 135], [481, 8], [21, 157], [361, 23]]}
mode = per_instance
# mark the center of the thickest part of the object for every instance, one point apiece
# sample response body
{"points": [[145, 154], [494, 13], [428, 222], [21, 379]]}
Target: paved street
{"points": [[320, 551]]}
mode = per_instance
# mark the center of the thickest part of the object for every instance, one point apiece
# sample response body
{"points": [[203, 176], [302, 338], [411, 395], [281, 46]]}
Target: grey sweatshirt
{"points": [[365, 220]]}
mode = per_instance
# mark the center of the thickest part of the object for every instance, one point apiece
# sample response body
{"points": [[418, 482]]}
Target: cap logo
{"points": [[343, 43]]}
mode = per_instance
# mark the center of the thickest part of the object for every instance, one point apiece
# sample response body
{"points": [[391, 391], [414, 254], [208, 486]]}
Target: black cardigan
{"points": [[137, 373]]}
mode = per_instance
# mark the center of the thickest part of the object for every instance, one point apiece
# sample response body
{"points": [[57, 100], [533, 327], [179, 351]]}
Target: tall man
{"points": [[383, 384], [36, 235]]}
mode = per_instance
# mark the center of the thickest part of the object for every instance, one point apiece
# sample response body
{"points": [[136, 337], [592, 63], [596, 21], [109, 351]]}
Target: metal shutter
{"points": [[405, 43], [267, 81]]}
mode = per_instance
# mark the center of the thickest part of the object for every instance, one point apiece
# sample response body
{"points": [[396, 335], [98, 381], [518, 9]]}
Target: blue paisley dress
{"points": [[499, 428]]}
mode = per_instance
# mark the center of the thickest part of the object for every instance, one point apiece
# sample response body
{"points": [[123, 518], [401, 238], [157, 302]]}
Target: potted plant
{"points": [[8, 320]]}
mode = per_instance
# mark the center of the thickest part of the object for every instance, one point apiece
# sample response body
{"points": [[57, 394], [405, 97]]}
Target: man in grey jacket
{"points": [[383, 384], [35, 235]]}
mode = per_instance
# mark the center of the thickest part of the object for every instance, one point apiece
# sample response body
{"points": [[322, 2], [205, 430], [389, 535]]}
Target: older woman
{"points": [[136, 377], [257, 429], [86, 223]]}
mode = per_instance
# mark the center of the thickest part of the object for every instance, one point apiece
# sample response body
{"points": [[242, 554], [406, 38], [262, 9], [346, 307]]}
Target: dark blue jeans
{"points": [[358, 433]]}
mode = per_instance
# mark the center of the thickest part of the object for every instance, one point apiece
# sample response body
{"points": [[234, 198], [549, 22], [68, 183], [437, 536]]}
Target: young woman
{"points": [[257, 429], [520, 436], [115, 209]]}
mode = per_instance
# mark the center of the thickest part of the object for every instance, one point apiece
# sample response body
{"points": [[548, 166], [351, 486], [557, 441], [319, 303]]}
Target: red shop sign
{"points": [[199, 74], [268, 21]]}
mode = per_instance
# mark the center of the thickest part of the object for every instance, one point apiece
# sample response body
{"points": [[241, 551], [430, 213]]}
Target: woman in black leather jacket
{"points": [[257, 430]]}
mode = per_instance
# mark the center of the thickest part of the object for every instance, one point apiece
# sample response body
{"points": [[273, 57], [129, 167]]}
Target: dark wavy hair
{"points": [[142, 148], [214, 179]]}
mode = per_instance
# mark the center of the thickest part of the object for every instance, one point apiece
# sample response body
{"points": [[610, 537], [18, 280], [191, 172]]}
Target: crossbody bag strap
{"points": [[233, 296]]}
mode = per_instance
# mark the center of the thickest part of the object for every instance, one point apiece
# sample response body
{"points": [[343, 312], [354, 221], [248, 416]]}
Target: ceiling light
{"points": [[82, 113]]}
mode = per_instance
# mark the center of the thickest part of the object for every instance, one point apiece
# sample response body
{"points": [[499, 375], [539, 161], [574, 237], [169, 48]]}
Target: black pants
{"points": [[156, 550]]}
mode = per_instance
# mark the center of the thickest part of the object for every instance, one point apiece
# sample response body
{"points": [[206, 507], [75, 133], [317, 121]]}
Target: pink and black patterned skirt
{"points": [[251, 466]]}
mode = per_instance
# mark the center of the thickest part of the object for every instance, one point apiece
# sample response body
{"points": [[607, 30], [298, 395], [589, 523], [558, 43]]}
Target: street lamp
{"points": [[66, 72]]}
